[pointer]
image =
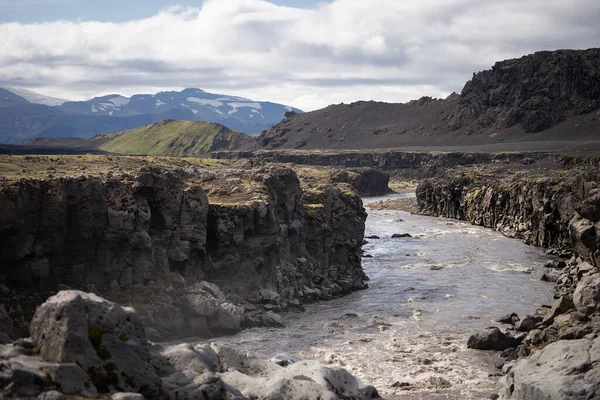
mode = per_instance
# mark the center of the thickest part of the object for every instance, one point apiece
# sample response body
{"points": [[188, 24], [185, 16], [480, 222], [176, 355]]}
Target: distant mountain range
{"points": [[26, 115]]}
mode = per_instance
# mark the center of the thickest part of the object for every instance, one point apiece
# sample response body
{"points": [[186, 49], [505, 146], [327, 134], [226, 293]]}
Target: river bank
{"points": [[407, 333], [556, 351]]}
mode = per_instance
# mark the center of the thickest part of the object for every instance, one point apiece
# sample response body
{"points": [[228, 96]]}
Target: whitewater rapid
{"points": [[407, 333]]}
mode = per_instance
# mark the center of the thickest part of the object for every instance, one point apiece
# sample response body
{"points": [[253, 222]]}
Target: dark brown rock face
{"points": [[536, 91], [80, 231], [303, 244], [152, 240]]}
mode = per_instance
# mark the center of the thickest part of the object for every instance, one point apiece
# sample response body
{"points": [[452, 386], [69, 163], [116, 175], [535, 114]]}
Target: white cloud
{"points": [[342, 51]]}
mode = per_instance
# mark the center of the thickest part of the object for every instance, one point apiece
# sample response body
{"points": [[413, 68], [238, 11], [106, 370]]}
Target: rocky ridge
{"points": [[196, 250], [83, 346], [401, 164], [548, 95]]}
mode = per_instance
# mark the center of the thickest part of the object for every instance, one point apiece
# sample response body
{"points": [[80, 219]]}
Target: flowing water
{"points": [[407, 333]]}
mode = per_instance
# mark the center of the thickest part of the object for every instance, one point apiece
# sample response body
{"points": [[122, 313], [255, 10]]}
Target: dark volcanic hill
{"points": [[546, 96]]}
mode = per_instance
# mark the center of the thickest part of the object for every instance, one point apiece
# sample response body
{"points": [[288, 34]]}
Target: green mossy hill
{"points": [[172, 139]]}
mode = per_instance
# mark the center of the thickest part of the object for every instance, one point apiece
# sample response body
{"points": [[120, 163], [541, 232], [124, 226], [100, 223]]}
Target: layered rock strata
{"points": [[535, 207], [195, 251], [412, 164]]}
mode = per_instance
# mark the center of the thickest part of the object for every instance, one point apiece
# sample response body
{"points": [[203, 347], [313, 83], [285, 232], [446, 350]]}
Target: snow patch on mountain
{"points": [[235, 106], [37, 98], [119, 101], [206, 102]]}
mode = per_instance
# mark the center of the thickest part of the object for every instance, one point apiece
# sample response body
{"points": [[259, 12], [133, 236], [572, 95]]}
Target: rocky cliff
{"points": [[536, 92], [196, 250], [414, 164], [560, 356], [530, 205]]}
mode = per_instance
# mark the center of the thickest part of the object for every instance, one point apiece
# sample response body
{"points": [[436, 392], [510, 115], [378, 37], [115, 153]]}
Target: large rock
{"points": [[583, 236], [107, 341], [565, 370], [590, 207], [491, 338], [587, 294], [89, 346], [301, 380]]}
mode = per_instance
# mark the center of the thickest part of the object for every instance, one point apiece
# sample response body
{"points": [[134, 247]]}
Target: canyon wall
{"points": [[410, 164], [532, 206], [560, 356], [195, 251]]}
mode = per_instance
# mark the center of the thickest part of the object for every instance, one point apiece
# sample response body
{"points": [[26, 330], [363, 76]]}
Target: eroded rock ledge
{"points": [[196, 250], [413, 164]]}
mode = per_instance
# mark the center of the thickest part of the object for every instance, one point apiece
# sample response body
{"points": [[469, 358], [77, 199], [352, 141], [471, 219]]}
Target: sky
{"points": [[303, 53]]}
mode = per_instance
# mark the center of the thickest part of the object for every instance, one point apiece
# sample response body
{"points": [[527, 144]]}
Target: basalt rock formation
{"points": [[196, 251], [549, 95], [533, 206], [87, 347]]}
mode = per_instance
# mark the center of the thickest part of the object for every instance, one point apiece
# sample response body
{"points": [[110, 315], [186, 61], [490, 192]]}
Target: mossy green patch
{"points": [[110, 367], [171, 138], [103, 380], [95, 335], [314, 211]]}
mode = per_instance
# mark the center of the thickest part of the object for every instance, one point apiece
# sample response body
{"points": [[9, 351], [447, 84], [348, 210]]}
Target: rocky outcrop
{"points": [[536, 209], [536, 91], [563, 370], [492, 338], [191, 264], [85, 346], [367, 181]]}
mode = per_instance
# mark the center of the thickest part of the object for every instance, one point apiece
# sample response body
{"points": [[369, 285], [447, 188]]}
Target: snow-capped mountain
{"points": [[37, 98], [26, 115], [234, 112]]}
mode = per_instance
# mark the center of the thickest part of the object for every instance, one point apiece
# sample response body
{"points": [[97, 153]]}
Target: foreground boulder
{"points": [[84, 345], [567, 369], [106, 340]]}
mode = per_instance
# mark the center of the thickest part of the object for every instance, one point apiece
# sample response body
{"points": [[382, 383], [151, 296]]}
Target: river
{"points": [[407, 333]]}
